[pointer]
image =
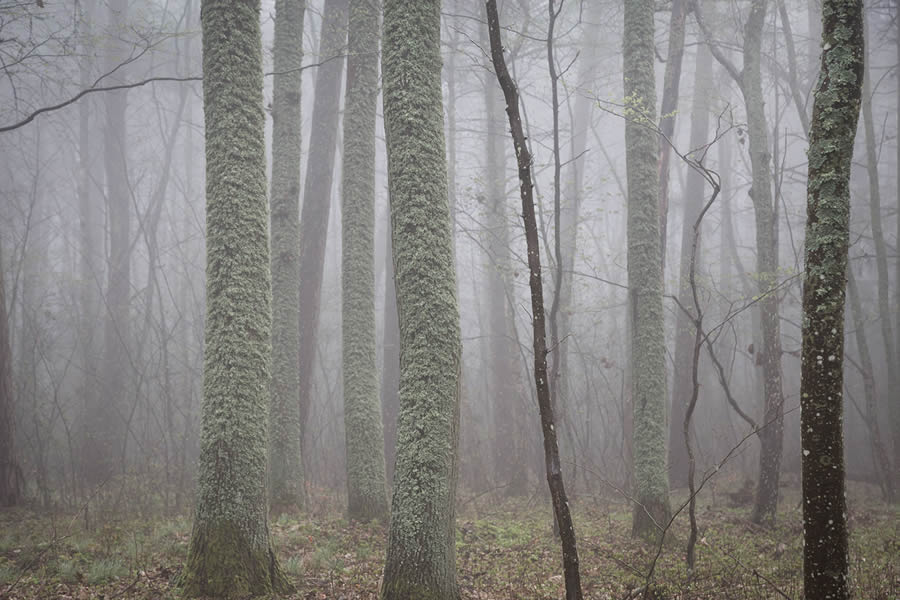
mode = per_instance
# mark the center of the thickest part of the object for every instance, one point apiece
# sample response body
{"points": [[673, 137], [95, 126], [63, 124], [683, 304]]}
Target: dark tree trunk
{"points": [[10, 473], [551, 446], [832, 131]]}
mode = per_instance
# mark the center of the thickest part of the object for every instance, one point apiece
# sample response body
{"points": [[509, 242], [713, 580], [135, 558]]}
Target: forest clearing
{"points": [[505, 550]]}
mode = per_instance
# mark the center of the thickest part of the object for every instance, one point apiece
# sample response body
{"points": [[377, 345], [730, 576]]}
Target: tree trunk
{"points": [[421, 554], [834, 121], [772, 432], [885, 310], [509, 447], [651, 484], [668, 112], [390, 360], [317, 194], [545, 404], [367, 496], [230, 553], [10, 472], [684, 329], [286, 491]]}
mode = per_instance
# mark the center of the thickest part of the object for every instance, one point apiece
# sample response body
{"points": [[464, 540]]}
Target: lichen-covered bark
{"points": [[772, 433], [317, 191], [285, 466], [421, 547], [684, 328], [366, 493], [390, 361], [230, 554], [651, 484], [834, 120]]}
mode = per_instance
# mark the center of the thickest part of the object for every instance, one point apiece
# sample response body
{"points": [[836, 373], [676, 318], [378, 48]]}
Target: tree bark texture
{"points": [[390, 361], [366, 493], [286, 491], [651, 483], [833, 128], [551, 446], [421, 554], [323, 139], [230, 554]]}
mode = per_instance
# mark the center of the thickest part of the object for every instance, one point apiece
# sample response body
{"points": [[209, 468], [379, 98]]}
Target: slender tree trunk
{"points": [[10, 472], [285, 464], [879, 454], [367, 496], [894, 400], [833, 128], [390, 366], [323, 138], [885, 310], [651, 483], [509, 447], [668, 112], [545, 404], [695, 187], [106, 434], [421, 554], [230, 554]]}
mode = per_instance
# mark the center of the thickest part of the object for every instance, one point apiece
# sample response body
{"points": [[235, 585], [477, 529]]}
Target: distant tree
{"points": [[323, 140], [230, 554], [285, 464], [366, 492], [833, 128], [421, 549], [651, 483], [10, 472], [749, 79]]}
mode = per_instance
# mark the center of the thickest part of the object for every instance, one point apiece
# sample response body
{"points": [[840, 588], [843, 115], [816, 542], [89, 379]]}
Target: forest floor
{"points": [[505, 550]]}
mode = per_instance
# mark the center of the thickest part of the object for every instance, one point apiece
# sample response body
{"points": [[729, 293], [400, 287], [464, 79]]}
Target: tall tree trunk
{"points": [[542, 384], [10, 472], [894, 400], [230, 553], [421, 554], [91, 233], [509, 447], [668, 112], [885, 310], [879, 453], [367, 496], [683, 386], [106, 434], [772, 433], [651, 483], [833, 128], [323, 138], [390, 359], [285, 464]]}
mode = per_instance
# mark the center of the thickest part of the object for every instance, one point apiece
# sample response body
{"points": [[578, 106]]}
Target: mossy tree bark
{"points": [[421, 550], [648, 380], [390, 361], [834, 121], [323, 139], [285, 465], [366, 493], [230, 554]]}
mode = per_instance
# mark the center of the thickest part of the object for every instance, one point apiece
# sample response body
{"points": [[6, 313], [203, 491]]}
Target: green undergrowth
{"points": [[505, 549]]}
